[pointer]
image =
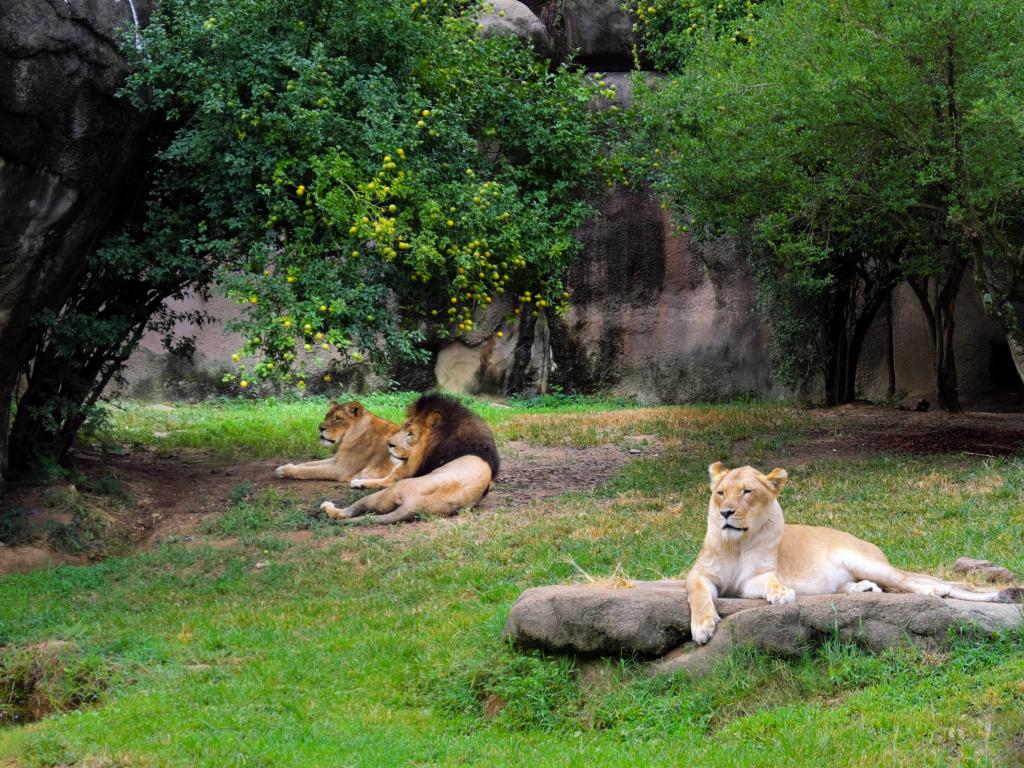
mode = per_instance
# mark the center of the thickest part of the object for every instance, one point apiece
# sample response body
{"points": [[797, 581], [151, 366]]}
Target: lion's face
{"points": [[340, 418], [741, 499], [411, 440]]}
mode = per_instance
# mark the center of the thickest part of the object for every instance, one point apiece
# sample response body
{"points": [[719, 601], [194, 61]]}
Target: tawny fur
{"points": [[437, 429], [749, 551], [362, 442]]}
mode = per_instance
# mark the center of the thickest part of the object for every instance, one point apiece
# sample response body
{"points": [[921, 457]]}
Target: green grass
{"points": [[277, 427], [386, 650]]}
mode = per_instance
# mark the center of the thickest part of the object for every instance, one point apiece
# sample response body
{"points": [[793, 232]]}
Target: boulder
{"points": [[649, 619], [483, 363], [510, 17], [600, 32], [68, 153], [986, 569]]}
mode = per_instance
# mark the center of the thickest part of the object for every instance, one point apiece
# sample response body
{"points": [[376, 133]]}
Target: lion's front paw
{"points": [[359, 482], [283, 470], [702, 630], [780, 595], [865, 586]]}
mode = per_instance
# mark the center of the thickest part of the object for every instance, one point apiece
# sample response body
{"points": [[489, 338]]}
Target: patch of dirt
{"points": [[530, 472], [169, 496], [28, 558], [859, 430]]}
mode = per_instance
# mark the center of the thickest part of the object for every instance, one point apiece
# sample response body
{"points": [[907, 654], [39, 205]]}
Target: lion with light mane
{"points": [[362, 446], [749, 551], [446, 459]]}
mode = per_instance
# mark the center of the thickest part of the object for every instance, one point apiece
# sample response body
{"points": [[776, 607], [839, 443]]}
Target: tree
{"points": [[853, 144], [360, 175]]}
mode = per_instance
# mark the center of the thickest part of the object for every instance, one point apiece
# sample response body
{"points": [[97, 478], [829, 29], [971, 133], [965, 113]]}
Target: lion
{"points": [[447, 460], [749, 551], [362, 442]]}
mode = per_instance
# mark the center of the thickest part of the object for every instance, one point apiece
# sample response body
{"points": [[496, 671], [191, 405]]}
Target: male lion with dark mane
{"points": [[749, 551], [446, 461], [362, 446]]}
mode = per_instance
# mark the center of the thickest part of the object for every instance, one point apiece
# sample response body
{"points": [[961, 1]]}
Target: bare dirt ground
{"points": [[169, 495]]}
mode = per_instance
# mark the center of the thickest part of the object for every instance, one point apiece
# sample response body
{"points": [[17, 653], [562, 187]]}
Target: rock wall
{"points": [[68, 151], [657, 317]]}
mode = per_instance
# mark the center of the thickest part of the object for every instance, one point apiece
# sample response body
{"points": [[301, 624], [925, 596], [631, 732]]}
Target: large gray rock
{"points": [[600, 32], [647, 619], [651, 618], [68, 149], [510, 17]]}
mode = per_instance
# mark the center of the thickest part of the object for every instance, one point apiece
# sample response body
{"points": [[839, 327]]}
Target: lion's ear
{"points": [[776, 479], [355, 410], [717, 470], [433, 419], [333, 402]]}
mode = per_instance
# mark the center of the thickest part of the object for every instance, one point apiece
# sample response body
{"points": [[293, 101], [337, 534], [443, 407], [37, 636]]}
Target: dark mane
{"points": [[460, 432]]}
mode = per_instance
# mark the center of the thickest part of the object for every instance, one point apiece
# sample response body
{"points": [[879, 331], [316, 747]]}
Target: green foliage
{"points": [[669, 30], [365, 173], [852, 145]]}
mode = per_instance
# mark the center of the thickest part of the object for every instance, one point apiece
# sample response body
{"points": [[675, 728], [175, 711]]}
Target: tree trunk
{"points": [[8, 384], [940, 315], [855, 345], [1016, 344], [890, 350]]}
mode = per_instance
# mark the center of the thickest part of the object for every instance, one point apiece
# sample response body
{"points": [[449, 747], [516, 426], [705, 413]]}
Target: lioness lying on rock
{"points": [[748, 551], [361, 440], [445, 460]]}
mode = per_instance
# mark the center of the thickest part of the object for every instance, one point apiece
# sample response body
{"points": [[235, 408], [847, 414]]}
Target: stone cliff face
{"points": [[656, 316], [68, 149]]}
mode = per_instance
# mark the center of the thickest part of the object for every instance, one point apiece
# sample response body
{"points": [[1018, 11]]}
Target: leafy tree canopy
{"points": [[364, 173], [854, 143]]}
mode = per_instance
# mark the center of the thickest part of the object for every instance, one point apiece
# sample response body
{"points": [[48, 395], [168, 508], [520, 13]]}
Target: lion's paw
{"points": [[864, 586], [282, 471], [330, 510], [359, 482], [702, 629], [780, 595]]}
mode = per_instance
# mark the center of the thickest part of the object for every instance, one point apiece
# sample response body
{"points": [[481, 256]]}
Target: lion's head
{"points": [[742, 499], [413, 439], [439, 429], [340, 418]]}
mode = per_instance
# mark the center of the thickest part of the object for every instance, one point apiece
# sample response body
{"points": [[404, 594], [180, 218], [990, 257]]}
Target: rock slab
{"points": [[650, 619]]}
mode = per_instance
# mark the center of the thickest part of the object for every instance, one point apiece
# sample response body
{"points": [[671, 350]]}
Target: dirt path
{"points": [[170, 495]]}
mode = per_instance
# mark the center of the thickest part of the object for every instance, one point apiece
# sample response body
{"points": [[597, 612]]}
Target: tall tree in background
{"points": [[854, 144], [356, 174]]}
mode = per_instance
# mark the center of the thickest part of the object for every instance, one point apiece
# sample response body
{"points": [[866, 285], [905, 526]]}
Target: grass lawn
{"points": [[248, 647]]}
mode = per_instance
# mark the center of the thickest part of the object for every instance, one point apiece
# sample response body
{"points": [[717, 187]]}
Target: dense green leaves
{"points": [[852, 144], [376, 172]]}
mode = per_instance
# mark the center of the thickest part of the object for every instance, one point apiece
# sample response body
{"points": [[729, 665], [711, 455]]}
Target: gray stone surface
{"points": [[68, 149], [655, 316], [600, 32], [984, 568], [510, 17], [652, 618]]}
